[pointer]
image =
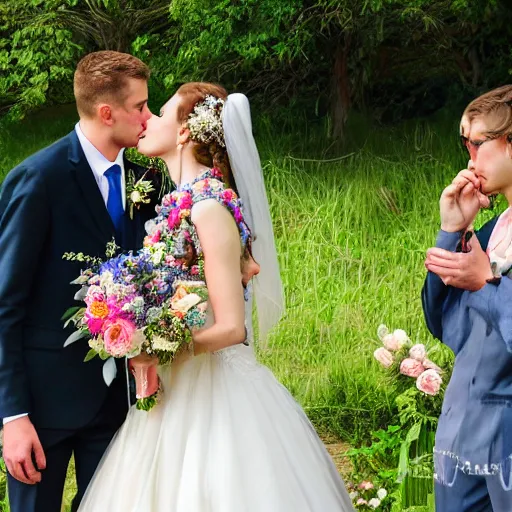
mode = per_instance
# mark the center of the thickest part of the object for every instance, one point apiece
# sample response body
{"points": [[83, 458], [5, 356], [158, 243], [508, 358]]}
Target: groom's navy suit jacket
{"points": [[51, 204]]}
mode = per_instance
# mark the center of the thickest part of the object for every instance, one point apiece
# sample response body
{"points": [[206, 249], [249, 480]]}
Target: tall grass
{"points": [[351, 236]]}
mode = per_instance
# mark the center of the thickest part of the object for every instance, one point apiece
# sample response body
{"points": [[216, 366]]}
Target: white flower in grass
{"points": [[382, 493], [401, 336], [353, 495], [374, 503], [418, 352], [382, 331]]}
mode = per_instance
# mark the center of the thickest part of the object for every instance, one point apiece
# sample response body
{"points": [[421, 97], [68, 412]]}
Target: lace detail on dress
{"points": [[238, 357]]}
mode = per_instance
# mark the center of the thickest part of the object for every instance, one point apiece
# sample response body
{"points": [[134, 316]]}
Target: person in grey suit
{"points": [[467, 301]]}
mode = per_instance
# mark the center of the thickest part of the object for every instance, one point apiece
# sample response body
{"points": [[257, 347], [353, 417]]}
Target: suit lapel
{"points": [[93, 199], [484, 234]]}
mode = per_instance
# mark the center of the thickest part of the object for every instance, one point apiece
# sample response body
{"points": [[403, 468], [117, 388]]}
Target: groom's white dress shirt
{"points": [[99, 165]]}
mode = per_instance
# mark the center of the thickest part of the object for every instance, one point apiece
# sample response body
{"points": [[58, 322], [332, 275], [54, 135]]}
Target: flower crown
{"points": [[205, 121]]}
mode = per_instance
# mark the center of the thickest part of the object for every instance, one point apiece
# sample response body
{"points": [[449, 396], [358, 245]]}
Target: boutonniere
{"points": [[137, 192]]}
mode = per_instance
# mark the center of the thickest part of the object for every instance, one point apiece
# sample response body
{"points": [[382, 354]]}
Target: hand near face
{"points": [[461, 201], [468, 271]]}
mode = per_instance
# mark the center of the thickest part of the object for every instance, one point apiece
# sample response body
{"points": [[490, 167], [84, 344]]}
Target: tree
{"points": [[42, 40]]}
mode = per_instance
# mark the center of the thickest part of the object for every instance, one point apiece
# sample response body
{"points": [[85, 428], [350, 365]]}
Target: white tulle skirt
{"points": [[226, 437]]}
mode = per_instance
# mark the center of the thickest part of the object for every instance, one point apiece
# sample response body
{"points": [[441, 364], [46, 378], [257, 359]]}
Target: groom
{"points": [[69, 197], [467, 300]]}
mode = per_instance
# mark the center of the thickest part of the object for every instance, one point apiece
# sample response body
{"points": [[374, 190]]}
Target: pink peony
{"points": [[361, 501], [429, 382], [166, 200], [185, 201], [95, 325], [154, 238], [391, 343], [411, 368], [94, 294], [365, 485], [384, 357], [173, 220], [118, 337], [418, 352], [429, 365], [228, 195], [238, 215], [217, 173]]}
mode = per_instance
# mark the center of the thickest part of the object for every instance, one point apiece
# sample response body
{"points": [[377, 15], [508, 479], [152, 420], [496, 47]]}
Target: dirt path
{"points": [[337, 449]]}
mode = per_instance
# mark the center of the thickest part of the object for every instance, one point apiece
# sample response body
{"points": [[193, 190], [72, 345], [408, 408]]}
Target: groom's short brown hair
{"points": [[102, 76]]}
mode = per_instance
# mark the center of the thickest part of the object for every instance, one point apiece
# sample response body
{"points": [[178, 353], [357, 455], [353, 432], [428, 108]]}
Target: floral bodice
{"points": [[173, 231]]}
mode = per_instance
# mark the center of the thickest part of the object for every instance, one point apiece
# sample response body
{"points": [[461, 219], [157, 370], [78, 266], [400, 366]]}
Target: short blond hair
{"points": [[496, 108], [103, 75]]}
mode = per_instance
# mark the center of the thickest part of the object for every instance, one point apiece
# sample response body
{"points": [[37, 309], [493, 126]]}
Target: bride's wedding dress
{"points": [[226, 437]]}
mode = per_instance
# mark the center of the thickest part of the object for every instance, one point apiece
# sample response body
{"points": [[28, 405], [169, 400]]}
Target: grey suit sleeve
{"points": [[495, 303], [435, 292]]}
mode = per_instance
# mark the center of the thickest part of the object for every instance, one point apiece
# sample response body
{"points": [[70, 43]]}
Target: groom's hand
{"points": [[461, 201], [21, 447], [466, 270]]}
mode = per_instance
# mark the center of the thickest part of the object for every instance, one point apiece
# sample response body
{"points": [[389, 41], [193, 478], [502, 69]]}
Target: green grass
{"points": [[351, 236]]}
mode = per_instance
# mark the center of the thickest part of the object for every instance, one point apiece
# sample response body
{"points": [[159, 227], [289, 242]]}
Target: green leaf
{"points": [[77, 335], [90, 355], [403, 464], [104, 355], [70, 312]]}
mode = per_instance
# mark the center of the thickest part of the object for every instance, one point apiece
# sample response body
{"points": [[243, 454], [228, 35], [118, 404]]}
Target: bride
{"points": [[226, 436]]}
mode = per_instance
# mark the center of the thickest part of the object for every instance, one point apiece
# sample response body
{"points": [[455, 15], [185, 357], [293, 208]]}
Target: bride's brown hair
{"points": [[211, 155]]}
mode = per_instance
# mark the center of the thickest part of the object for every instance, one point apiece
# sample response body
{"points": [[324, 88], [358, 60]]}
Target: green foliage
{"points": [[37, 57], [395, 58], [42, 41]]}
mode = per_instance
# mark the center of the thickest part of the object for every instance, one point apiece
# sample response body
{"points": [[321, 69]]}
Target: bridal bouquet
{"points": [[136, 306]]}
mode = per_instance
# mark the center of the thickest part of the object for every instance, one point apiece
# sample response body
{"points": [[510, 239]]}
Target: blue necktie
{"points": [[115, 197]]}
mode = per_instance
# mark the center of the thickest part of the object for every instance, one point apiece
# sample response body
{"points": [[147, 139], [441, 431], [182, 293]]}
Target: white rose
{"points": [[106, 279], [401, 336], [418, 352], [187, 302], [135, 196], [382, 331], [151, 227], [374, 503], [382, 493], [157, 257]]}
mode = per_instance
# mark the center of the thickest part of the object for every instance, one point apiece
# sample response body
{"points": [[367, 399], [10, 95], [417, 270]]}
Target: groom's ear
{"points": [[105, 114]]}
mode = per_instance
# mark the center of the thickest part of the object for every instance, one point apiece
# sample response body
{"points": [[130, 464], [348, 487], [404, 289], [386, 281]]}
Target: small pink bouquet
{"points": [[399, 354], [366, 496]]}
